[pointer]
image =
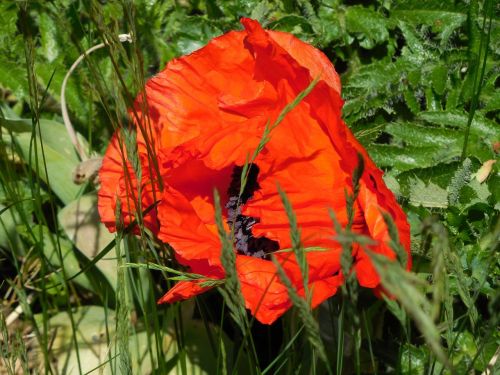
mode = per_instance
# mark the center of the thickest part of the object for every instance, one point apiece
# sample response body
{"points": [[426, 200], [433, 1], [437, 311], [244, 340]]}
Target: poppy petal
{"points": [[201, 118], [120, 183], [183, 290], [183, 229]]}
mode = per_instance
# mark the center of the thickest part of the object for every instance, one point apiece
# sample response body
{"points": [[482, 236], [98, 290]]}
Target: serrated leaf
{"points": [[12, 77], [492, 100], [368, 25], [421, 136], [392, 184], [472, 193], [377, 76], [460, 178], [48, 32], [295, 24], [406, 158], [415, 51], [430, 195], [439, 76], [442, 22], [411, 101], [480, 125]]}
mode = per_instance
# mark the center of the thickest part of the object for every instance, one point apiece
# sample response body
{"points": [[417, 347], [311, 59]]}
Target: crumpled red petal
{"points": [[120, 184], [183, 290]]}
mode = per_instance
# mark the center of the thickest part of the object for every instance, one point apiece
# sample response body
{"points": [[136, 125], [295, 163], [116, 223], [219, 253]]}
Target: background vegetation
{"points": [[420, 80]]}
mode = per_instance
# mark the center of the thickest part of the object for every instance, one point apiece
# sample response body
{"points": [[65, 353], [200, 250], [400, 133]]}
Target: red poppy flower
{"points": [[201, 118]]}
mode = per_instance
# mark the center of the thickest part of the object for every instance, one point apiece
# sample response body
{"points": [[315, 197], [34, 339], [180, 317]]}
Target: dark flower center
{"points": [[244, 240]]}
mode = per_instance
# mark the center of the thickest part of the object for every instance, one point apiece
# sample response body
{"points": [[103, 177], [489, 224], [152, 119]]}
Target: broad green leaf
{"points": [[442, 144], [377, 76], [56, 154], [55, 251], [392, 184], [16, 126], [9, 236], [91, 323], [97, 345], [82, 224], [94, 329], [367, 134]]}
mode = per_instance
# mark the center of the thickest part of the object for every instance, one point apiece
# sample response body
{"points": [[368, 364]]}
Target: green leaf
{"points": [[492, 100], [403, 285], [481, 126], [55, 251], [439, 76], [9, 236], [369, 26], [295, 24], [430, 195], [413, 360], [404, 159], [96, 337], [16, 126], [56, 153], [48, 32], [12, 59], [472, 193], [442, 22], [82, 224], [12, 76], [461, 177], [415, 50], [411, 101], [425, 136]]}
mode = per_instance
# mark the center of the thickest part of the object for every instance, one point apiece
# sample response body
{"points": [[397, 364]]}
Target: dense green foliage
{"points": [[420, 84]]}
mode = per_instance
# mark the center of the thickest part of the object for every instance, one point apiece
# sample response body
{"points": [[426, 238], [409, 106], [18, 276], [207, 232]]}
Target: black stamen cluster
{"points": [[244, 240]]}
